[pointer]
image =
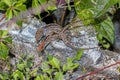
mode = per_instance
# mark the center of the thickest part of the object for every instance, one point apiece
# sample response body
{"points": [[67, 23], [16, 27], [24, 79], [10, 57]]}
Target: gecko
{"points": [[45, 35]]}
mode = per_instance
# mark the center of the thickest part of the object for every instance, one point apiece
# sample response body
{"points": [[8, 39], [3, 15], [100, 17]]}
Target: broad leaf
{"points": [[107, 5], [106, 30]]}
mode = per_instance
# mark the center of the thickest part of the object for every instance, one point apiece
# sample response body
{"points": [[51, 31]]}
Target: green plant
{"points": [[49, 70], [23, 69], [5, 40], [53, 70], [94, 12], [12, 7], [36, 3]]}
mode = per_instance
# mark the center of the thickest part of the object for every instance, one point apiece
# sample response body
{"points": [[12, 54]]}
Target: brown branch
{"points": [[63, 16], [97, 71], [89, 48]]}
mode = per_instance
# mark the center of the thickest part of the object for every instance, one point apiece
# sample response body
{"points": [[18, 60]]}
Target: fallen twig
{"points": [[97, 71]]}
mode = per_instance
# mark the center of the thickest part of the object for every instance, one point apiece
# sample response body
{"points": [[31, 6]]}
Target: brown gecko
{"points": [[50, 33]]}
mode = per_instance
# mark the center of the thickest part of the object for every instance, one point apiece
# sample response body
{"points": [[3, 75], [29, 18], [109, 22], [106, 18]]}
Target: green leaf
{"points": [[70, 61], [52, 8], [42, 1], [105, 44], [68, 4], [35, 3], [54, 62], [58, 76], [17, 75], [21, 1], [9, 14], [4, 76], [15, 12], [45, 65], [70, 64], [46, 68], [64, 68], [2, 6], [99, 36], [40, 77], [3, 33], [119, 3], [74, 66], [21, 7], [107, 5], [48, 71], [86, 15], [1, 77], [83, 4], [106, 30], [78, 55], [4, 50], [8, 40], [19, 22], [21, 66], [7, 2]]}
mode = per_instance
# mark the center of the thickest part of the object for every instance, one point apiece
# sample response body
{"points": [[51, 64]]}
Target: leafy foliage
{"points": [[93, 12], [12, 7], [53, 66], [4, 40], [49, 70], [106, 30]]}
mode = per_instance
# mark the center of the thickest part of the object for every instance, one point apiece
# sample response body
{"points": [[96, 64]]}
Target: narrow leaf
{"points": [[79, 55], [3, 33], [4, 50]]}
